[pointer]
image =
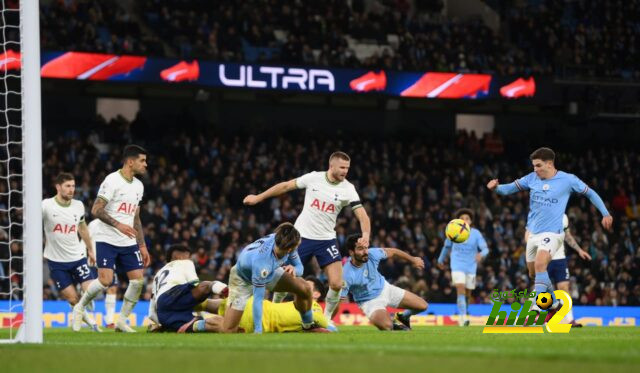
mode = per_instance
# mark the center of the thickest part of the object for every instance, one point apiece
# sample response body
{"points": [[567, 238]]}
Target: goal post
{"points": [[32, 170]]}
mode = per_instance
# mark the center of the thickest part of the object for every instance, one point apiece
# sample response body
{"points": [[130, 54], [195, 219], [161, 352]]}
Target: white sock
{"points": [[331, 302], [131, 297], [110, 308], [95, 288], [86, 317], [279, 296]]}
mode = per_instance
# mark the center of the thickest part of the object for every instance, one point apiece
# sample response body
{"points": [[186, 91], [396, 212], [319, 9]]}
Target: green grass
{"points": [[353, 349]]}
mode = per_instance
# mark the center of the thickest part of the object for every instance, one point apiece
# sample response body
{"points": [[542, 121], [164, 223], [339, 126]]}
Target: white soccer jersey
{"points": [[174, 273], [323, 201], [60, 225], [122, 198], [93, 229], [560, 254]]}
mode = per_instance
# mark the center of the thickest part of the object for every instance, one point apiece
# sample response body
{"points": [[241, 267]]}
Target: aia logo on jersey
{"points": [[64, 229], [324, 207], [127, 208]]}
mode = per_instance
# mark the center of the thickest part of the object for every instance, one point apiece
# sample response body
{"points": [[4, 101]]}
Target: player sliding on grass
{"points": [[178, 293], [260, 265], [327, 193], [372, 292], [549, 191]]}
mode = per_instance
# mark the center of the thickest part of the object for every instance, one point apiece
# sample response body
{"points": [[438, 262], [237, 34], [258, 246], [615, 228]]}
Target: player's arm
{"points": [[519, 185], [258, 296], [295, 266], [276, 190], [571, 241], [137, 225], [445, 251], [607, 219], [365, 225], [98, 210], [85, 236], [483, 249], [414, 260]]}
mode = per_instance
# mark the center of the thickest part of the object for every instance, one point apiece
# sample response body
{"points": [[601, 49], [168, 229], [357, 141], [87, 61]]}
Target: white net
{"points": [[11, 165]]}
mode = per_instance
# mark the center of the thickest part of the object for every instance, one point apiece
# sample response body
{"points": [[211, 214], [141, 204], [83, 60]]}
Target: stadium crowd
{"points": [[540, 37], [195, 186]]}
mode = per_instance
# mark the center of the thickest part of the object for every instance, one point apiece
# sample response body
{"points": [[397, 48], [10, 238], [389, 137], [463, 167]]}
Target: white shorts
{"points": [[390, 296], [240, 291], [468, 279], [550, 242]]}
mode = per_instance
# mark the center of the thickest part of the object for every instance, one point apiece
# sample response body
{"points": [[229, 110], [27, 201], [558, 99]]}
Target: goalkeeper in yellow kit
{"points": [[277, 317]]}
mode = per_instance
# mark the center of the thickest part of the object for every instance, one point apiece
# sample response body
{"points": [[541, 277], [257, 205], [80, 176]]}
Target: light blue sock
{"points": [[307, 317], [462, 305], [199, 326], [543, 284]]}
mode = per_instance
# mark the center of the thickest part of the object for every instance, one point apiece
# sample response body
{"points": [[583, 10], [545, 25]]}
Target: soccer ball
{"points": [[457, 230], [544, 300]]}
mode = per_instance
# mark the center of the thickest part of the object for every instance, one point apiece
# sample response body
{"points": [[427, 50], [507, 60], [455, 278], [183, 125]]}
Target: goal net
{"points": [[20, 174]]}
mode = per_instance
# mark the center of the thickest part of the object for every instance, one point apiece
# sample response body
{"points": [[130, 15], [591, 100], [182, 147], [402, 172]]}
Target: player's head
{"points": [[135, 157], [65, 186], [287, 238], [359, 253], [465, 214], [339, 163], [543, 161], [178, 252], [317, 286]]}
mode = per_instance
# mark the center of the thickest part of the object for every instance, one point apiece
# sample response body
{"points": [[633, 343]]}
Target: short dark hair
{"points": [[317, 284], [464, 211], [340, 155], [545, 154], [176, 248], [132, 151], [62, 177], [287, 236], [351, 241]]}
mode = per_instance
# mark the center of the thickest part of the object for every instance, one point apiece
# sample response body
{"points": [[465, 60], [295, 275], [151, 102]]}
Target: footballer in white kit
{"points": [[326, 194], [63, 220], [178, 293], [119, 236]]}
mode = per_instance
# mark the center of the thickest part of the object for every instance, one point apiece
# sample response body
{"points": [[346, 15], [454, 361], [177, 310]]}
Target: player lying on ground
{"points": [[178, 293], [276, 317], [260, 265], [372, 292]]}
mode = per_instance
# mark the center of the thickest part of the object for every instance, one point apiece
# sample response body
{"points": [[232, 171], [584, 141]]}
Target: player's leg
{"points": [[548, 244], [239, 294], [129, 260], [411, 302], [105, 258], [330, 260], [110, 304], [303, 294], [459, 278], [86, 316], [381, 319]]}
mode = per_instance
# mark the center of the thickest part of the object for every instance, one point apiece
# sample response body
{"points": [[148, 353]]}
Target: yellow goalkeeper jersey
{"points": [[276, 317]]}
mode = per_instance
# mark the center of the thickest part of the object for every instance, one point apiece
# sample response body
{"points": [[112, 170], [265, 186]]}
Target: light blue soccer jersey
{"points": [[463, 255], [365, 282], [548, 199], [257, 261]]}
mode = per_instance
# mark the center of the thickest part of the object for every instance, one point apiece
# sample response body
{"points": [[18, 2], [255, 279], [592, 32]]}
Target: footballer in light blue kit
{"points": [[465, 257], [549, 191], [372, 292], [271, 262]]}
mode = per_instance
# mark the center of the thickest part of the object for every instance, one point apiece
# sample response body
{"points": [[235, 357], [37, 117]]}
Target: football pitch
{"points": [[353, 349]]}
